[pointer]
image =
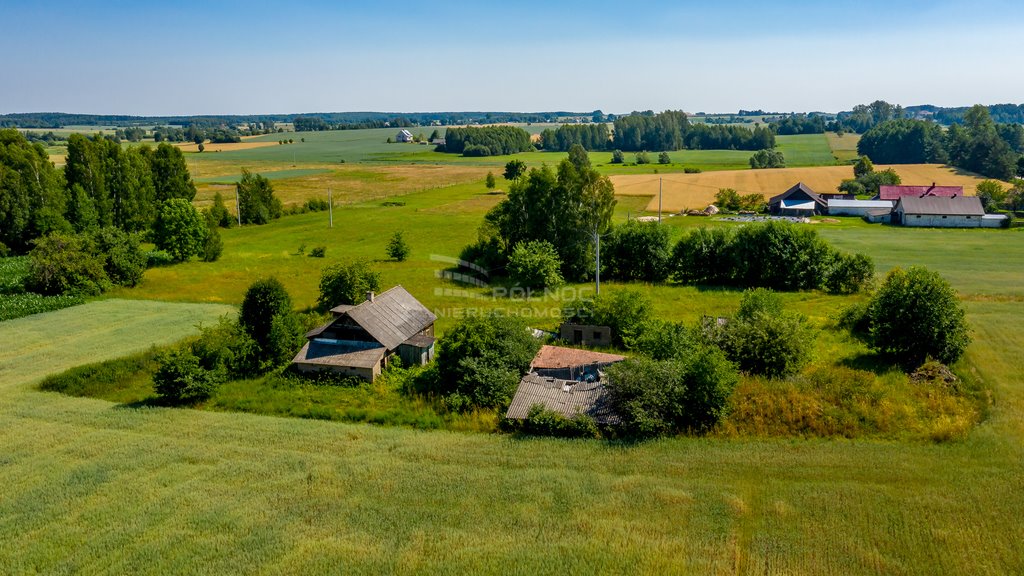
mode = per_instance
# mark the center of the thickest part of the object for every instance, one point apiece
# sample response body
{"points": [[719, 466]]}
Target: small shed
{"points": [[799, 200], [585, 334], [404, 136]]}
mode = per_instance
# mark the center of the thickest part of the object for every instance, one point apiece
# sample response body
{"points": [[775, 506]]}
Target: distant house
{"points": [[799, 200], [567, 381], [837, 207], [585, 334], [361, 340], [894, 193], [404, 136], [943, 212]]}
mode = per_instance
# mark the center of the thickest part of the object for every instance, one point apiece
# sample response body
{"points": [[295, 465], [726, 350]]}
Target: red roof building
{"points": [[896, 192]]}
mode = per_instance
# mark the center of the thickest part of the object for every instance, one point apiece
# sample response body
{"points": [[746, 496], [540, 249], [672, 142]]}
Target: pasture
{"points": [[696, 191], [844, 147]]}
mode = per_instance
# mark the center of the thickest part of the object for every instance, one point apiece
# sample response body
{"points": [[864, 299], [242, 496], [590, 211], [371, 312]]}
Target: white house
{"points": [[840, 207], [404, 136]]}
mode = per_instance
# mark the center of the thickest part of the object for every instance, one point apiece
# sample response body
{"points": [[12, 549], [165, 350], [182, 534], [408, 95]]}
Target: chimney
{"points": [[369, 296]]}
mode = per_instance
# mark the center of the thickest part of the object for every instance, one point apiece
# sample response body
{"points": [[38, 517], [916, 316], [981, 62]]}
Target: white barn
{"points": [[842, 207], [939, 212], [404, 136]]}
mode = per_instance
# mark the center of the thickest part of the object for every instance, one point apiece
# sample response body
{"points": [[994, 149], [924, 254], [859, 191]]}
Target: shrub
{"points": [[659, 397], [346, 283], [219, 214], [703, 256], [181, 380], [66, 264], [691, 170], [727, 199], [481, 359], [489, 180], [318, 252], [780, 255], [179, 229], [398, 248], [535, 265], [618, 157], [638, 251], [256, 201], [849, 273], [213, 246], [916, 315], [317, 205], [642, 157], [265, 302], [664, 158], [124, 260], [768, 158], [663, 340], [624, 311], [543, 422], [226, 348], [155, 258], [765, 339]]}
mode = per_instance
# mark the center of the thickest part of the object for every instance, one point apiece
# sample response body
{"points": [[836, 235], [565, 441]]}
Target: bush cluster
{"points": [[535, 264], [85, 264], [777, 255]]}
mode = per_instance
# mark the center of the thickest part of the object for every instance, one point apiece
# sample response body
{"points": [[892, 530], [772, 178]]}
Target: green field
{"points": [[92, 486], [331, 147], [274, 175]]}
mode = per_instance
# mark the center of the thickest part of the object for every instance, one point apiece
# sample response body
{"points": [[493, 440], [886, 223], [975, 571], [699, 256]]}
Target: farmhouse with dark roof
{"points": [[361, 340]]}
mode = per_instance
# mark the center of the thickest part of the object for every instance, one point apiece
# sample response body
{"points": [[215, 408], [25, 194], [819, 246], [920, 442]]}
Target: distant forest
{"points": [[311, 121], [860, 119]]}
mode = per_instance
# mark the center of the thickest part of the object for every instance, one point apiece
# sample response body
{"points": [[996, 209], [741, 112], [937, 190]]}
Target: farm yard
{"points": [[696, 191], [257, 476]]}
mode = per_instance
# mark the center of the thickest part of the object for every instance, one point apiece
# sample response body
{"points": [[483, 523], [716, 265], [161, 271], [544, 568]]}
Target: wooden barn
{"points": [[361, 340], [799, 200]]}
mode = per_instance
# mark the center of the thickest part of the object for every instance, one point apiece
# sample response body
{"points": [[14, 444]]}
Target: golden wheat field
{"points": [[696, 191]]}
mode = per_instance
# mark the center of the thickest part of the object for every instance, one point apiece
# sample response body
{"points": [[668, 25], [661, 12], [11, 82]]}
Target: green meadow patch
{"points": [[274, 175]]}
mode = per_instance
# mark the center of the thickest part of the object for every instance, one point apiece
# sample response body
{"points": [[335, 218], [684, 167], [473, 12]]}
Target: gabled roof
{"points": [[897, 192], [934, 205], [554, 357], [334, 354], [566, 397], [800, 189], [391, 317]]}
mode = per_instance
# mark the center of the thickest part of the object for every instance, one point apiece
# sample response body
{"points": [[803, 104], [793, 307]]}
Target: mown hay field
{"points": [[696, 191], [844, 147]]}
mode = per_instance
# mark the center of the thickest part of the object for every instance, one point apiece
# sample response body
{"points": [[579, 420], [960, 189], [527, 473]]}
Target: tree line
{"points": [[486, 141], [978, 145]]}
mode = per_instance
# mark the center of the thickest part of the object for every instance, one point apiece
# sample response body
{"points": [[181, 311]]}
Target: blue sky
{"points": [[187, 57]]}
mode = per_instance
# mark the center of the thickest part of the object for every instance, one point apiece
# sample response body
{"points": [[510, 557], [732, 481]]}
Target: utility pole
{"points": [[597, 267], [330, 206], [238, 209], [659, 200]]}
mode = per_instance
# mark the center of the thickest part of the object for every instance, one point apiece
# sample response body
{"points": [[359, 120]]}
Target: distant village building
{"points": [[799, 200], [944, 212], [404, 136], [361, 340], [567, 381]]}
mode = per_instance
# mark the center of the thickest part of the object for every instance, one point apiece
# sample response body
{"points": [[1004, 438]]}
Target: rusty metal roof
{"points": [[887, 192], [566, 397], [553, 357]]}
